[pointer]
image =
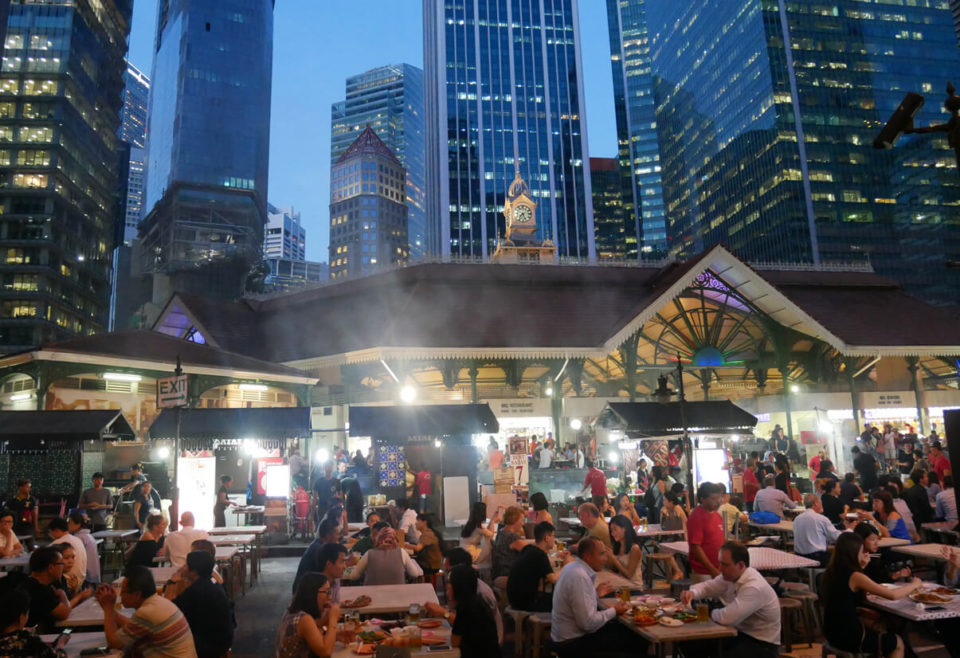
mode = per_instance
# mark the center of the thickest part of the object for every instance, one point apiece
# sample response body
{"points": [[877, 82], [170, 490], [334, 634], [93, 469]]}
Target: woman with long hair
{"points": [[844, 587], [626, 508], [474, 630], [627, 556], [658, 487], [538, 511], [309, 625], [892, 524], [782, 467], [71, 585], [427, 549], [477, 535]]}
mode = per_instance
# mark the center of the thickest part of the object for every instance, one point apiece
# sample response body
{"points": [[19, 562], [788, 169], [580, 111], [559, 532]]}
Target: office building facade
{"points": [[368, 212], [389, 99], [638, 148], [767, 113], [62, 168], [133, 131], [504, 93], [285, 236], [613, 231], [289, 274], [209, 139]]}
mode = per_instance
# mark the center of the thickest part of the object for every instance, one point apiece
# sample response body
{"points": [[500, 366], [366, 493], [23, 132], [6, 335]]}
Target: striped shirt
{"points": [[158, 630]]}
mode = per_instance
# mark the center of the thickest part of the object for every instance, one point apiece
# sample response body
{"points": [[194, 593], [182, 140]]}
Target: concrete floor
{"points": [[259, 612]]}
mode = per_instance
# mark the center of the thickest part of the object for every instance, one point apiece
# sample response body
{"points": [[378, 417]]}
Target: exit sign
{"points": [[172, 392]]}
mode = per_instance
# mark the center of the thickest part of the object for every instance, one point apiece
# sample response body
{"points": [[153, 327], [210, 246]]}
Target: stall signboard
{"points": [[196, 480], [172, 392], [262, 465], [519, 449], [520, 408]]}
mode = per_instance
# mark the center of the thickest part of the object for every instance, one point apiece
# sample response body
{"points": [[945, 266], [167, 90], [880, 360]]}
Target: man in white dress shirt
{"points": [[177, 544], [750, 606], [812, 531], [580, 628]]}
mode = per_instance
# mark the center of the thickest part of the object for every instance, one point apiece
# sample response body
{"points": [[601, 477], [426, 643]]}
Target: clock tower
{"points": [[520, 244]]}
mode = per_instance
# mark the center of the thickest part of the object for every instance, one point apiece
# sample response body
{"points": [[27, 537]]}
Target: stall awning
{"points": [[422, 420], [28, 428], [656, 419], [273, 423]]}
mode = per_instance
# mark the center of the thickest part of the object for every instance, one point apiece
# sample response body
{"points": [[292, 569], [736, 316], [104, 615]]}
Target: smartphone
{"points": [[934, 608], [438, 647], [95, 651], [62, 639]]}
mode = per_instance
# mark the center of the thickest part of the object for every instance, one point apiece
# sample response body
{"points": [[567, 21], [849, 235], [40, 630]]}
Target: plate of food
{"points": [[361, 601], [364, 649], [371, 637], [685, 616], [431, 639], [944, 591], [929, 597], [670, 621], [430, 623]]}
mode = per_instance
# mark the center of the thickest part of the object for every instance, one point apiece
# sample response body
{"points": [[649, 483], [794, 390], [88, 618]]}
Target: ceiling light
{"points": [[576, 424], [408, 394], [253, 387], [322, 455], [549, 391], [122, 377], [20, 396], [794, 388]]}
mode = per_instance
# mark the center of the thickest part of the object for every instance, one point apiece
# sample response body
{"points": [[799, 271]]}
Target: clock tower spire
{"points": [[520, 242]]}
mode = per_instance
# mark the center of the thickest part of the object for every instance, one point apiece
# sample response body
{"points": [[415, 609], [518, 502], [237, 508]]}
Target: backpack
{"points": [[764, 517], [649, 500]]}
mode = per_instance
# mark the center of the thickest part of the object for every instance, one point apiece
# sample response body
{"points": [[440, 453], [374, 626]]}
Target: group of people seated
{"points": [[188, 615]]}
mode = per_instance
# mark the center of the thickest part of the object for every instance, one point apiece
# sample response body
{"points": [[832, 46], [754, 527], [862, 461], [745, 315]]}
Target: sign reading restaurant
{"points": [[172, 392]]}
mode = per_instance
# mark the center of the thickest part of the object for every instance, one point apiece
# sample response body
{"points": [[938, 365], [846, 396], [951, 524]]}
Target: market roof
{"points": [[502, 311], [151, 350], [227, 424], [28, 428], [653, 419], [422, 420]]}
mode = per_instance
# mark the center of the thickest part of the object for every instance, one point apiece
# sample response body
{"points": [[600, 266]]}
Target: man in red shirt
{"points": [[597, 482], [422, 484], [750, 484], [939, 462], [705, 534]]}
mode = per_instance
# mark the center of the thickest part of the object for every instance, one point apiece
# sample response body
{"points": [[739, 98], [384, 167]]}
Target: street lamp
{"points": [[901, 122], [576, 424]]}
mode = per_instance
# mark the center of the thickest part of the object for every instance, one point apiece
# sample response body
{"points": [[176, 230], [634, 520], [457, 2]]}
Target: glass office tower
{"points": [[638, 150], [504, 93], [209, 140], [133, 131], [614, 237], [61, 167], [390, 100], [767, 112]]}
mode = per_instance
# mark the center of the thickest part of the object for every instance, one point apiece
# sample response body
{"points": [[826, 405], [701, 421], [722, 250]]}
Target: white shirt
{"points": [[751, 605], [771, 499], [80, 563], [903, 510], [93, 557], [408, 523], [409, 564], [177, 544], [812, 532], [575, 606], [546, 458], [578, 459], [13, 540], [947, 505]]}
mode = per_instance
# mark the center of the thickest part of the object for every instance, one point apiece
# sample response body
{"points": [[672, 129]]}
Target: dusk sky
{"points": [[318, 44]]}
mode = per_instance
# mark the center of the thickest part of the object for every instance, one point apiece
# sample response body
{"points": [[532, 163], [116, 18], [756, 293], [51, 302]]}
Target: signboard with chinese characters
{"points": [[172, 392], [519, 448]]}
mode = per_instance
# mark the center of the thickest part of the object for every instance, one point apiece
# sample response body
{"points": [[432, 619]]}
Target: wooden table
{"points": [[245, 542], [160, 575], [660, 635], [908, 609], [115, 550], [256, 530], [80, 641], [761, 558], [389, 598], [248, 510], [88, 613], [890, 542], [928, 551]]}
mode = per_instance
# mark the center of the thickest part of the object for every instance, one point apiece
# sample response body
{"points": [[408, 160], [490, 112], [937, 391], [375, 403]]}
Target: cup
{"points": [[625, 594], [703, 612], [413, 635]]}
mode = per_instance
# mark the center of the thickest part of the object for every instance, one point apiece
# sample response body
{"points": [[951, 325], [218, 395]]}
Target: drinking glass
{"points": [[703, 612]]}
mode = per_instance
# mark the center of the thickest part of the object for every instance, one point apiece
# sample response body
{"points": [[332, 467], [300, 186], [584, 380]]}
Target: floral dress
{"points": [[289, 642], [24, 644]]}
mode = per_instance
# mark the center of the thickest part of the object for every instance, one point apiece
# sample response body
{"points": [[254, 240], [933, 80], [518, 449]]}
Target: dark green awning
{"points": [[222, 424], [422, 420]]}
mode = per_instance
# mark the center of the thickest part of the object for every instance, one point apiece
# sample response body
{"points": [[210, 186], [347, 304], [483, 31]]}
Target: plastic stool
{"points": [[540, 621], [519, 617], [652, 560], [788, 612], [811, 614]]}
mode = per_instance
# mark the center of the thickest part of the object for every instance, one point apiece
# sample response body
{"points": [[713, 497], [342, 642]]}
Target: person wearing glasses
{"points": [[48, 605], [310, 623]]}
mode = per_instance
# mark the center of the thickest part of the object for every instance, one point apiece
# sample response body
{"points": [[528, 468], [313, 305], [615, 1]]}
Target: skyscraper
{"points": [[61, 165], [766, 114], [285, 236], [209, 138], [612, 237], [504, 93], [133, 131], [638, 152], [368, 212], [390, 100]]}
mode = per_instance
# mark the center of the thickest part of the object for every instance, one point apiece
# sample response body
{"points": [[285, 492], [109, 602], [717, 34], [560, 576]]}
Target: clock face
{"points": [[522, 215]]}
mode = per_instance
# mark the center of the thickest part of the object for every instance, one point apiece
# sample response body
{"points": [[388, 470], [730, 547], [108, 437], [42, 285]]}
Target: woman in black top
{"points": [[845, 585], [783, 474], [474, 629], [149, 544], [832, 507], [223, 501], [353, 496]]}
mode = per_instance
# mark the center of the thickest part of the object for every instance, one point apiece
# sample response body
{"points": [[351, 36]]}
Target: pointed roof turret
{"points": [[367, 143]]}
